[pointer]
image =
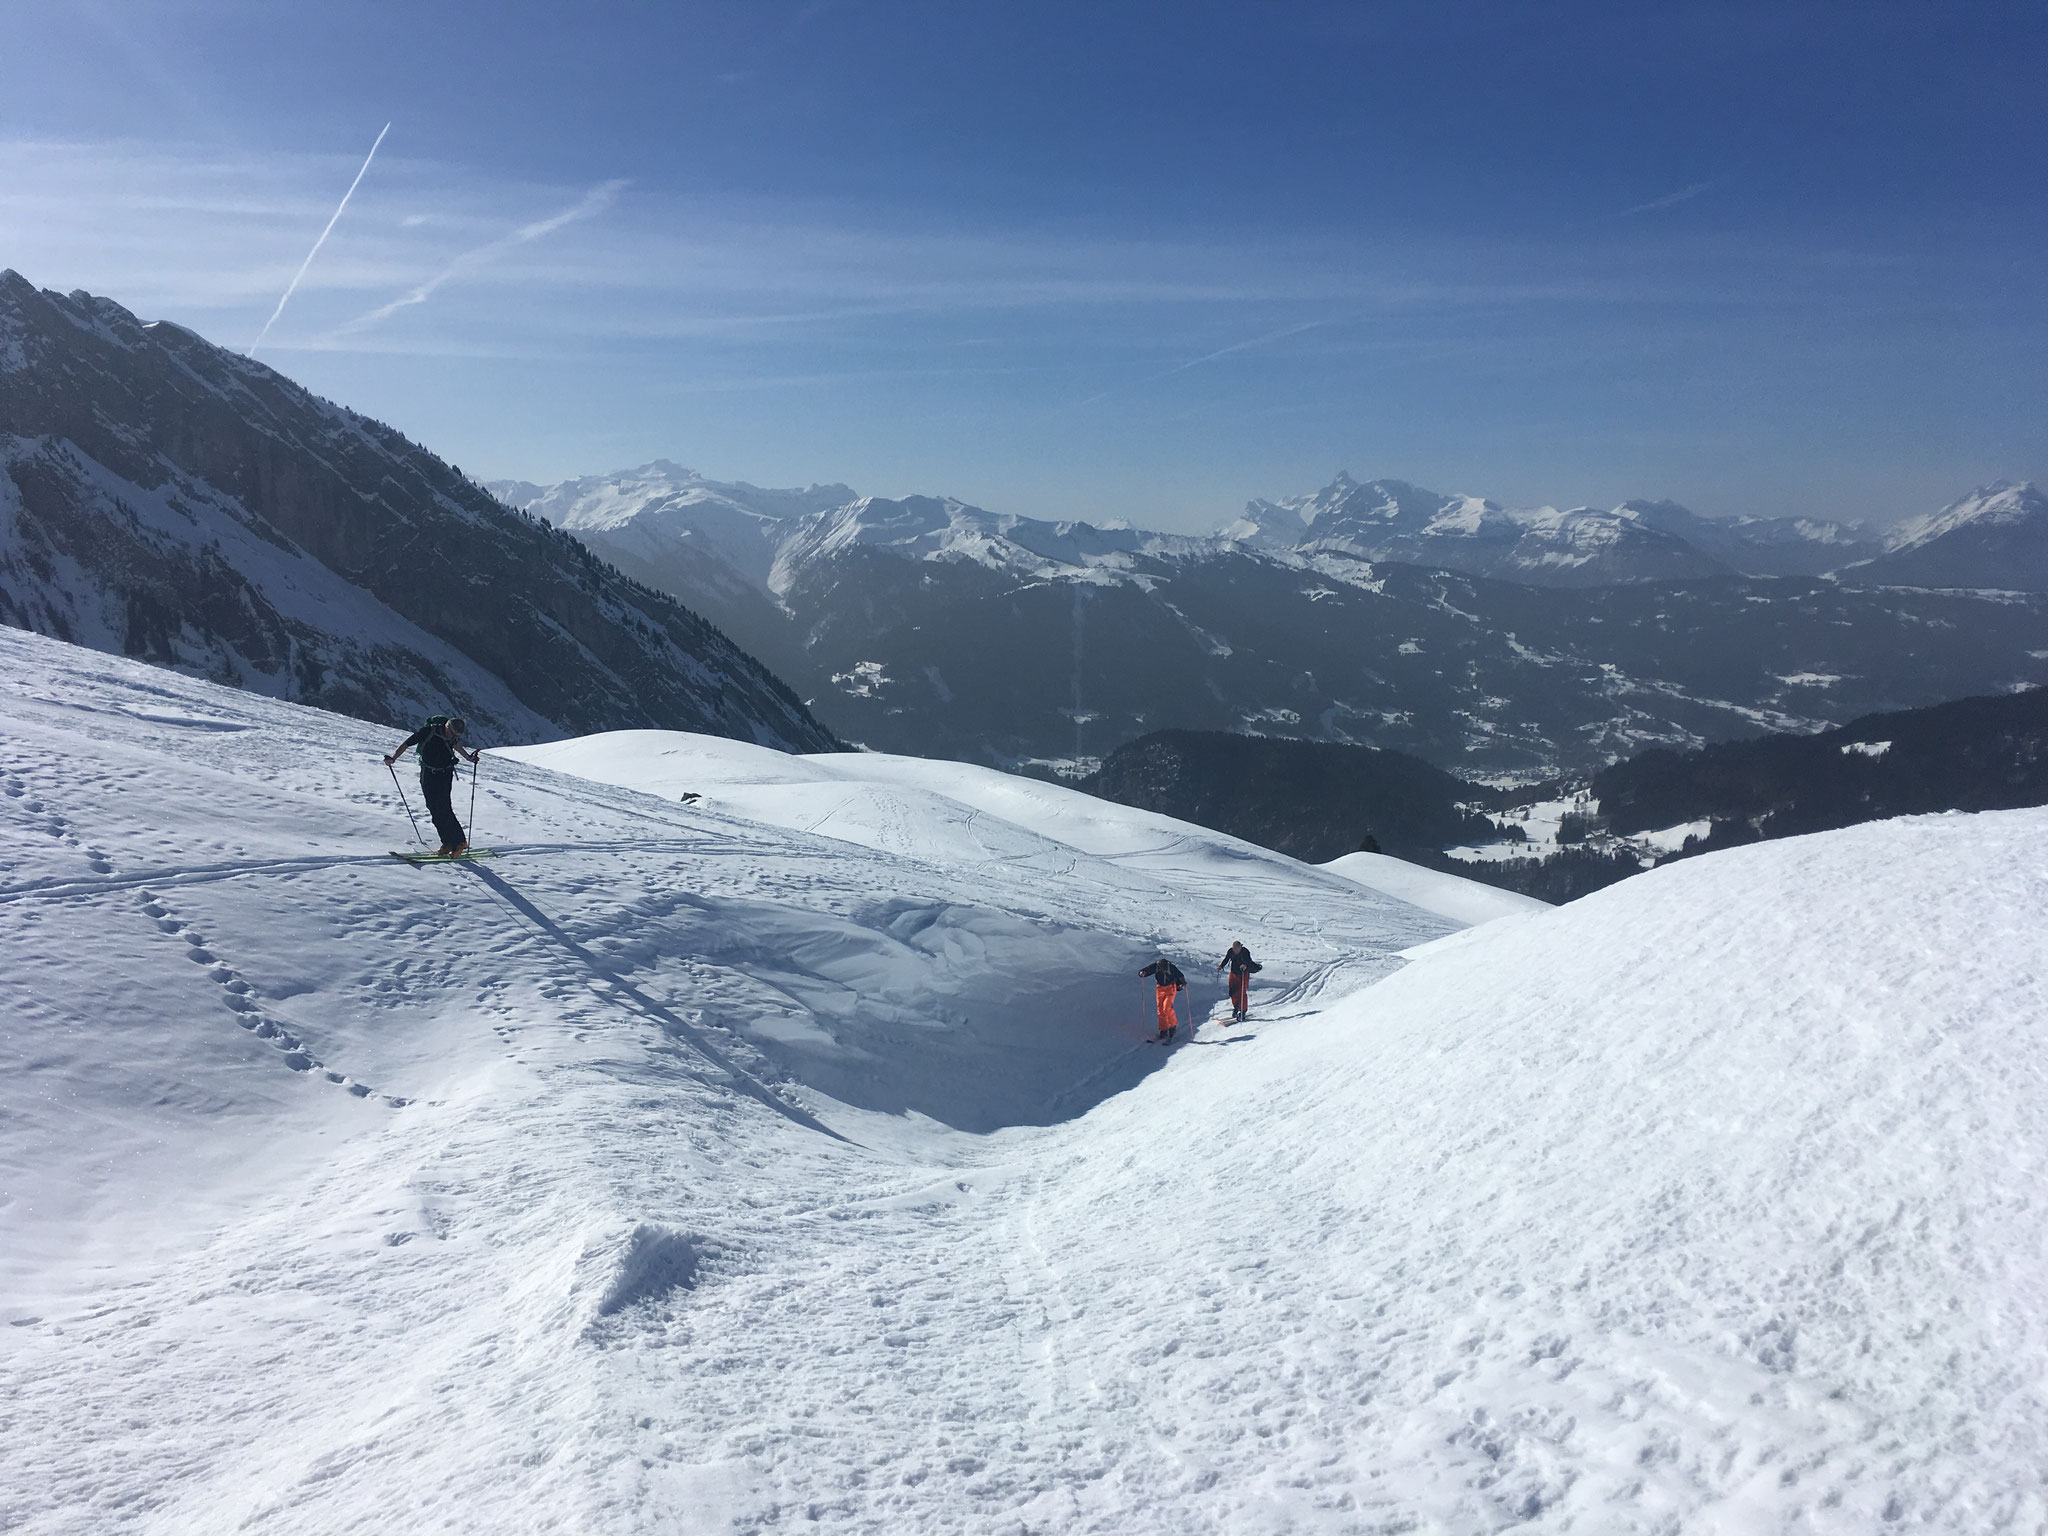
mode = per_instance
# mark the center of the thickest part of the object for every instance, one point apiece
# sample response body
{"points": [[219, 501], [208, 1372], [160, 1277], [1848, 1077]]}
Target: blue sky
{"points": [[1091, 260]]}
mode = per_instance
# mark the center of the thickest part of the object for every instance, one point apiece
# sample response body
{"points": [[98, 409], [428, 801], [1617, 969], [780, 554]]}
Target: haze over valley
{"points": [[1483, 638]]}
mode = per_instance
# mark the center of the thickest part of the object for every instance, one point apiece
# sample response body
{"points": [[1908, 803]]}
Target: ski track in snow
{"points": [[797, 1159]]}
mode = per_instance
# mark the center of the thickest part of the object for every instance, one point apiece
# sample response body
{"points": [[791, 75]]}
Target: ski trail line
{"points": [[60, 888]]}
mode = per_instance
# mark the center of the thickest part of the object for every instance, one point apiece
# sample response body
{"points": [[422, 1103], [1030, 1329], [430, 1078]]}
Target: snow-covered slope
{"points": [[604, 1186], [1451, 896]]}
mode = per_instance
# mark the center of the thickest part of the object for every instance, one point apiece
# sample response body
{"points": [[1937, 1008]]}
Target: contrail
{"points": [[596, 200], [1242, 346], [293, 285], [1673, 199], [1256, 341]]}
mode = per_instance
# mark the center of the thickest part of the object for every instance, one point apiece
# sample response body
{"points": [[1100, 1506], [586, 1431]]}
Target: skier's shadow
{"points": [[679, 1028], [1227, 1040]]}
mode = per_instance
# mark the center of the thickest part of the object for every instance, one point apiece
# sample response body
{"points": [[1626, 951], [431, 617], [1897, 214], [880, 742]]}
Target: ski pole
{"points": [[408, 807], [475, 767]]}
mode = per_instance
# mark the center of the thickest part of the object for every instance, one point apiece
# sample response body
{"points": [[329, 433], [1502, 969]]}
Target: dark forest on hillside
{"points": [[1319, 800], [1314, 800], [1979, 754]]}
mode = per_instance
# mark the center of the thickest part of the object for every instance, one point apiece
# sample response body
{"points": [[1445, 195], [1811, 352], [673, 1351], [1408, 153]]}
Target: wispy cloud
{"points": [[594, 202], [292, 286], [1209, 357], [1672, 199]]}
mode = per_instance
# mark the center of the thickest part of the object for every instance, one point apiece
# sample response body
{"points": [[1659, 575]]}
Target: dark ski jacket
{"points": [[437, 753], [1165, 973], [1240, 961]]}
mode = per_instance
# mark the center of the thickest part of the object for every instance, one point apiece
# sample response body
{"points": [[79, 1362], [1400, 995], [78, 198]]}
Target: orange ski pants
{"points": [[1166, 1018]]}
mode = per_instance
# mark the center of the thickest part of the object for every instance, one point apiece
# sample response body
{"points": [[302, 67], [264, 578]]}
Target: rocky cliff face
{"points": [[171, 500]]}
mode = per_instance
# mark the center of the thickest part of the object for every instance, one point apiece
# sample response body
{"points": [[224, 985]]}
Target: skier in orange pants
{"points": [[1166, 980]]}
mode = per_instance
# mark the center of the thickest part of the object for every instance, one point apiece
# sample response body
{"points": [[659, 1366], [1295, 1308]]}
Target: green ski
{"points": [[445, 858]]}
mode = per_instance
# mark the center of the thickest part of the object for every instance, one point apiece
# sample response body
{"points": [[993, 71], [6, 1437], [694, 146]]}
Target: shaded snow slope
{"points": [[564, 1192]]}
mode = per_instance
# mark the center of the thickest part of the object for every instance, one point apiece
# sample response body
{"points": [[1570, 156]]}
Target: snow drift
{"points": [[569, 1191]]}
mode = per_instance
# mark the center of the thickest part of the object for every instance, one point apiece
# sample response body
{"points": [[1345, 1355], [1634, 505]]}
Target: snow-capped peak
{"points": [[615, 499], [2001, 503], [1265, 524]]}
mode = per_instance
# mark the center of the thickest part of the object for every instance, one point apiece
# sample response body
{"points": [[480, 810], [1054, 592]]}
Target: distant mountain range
{"points": [[164, 498], [168, 499], [1579, 547], [1482, 639]]}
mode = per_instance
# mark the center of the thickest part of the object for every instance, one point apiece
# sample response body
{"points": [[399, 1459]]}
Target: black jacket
{"points": [[1240, 961], [1165, 973], [437, 754]]}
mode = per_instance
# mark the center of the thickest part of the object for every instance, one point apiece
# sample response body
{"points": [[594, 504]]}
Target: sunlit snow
{"points": [[796, 1158]]}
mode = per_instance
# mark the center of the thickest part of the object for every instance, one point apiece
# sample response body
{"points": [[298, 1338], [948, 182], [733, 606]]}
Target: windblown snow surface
{"points": [[795, 1159]]}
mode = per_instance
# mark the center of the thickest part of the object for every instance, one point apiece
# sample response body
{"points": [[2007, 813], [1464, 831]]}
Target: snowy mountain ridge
{"points": [[1375, 520], [772, 535], [738, 522], [798, 1154], [1996, 537], [931, 626], [605, 501], [1999, 504], [1635, 541]]}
